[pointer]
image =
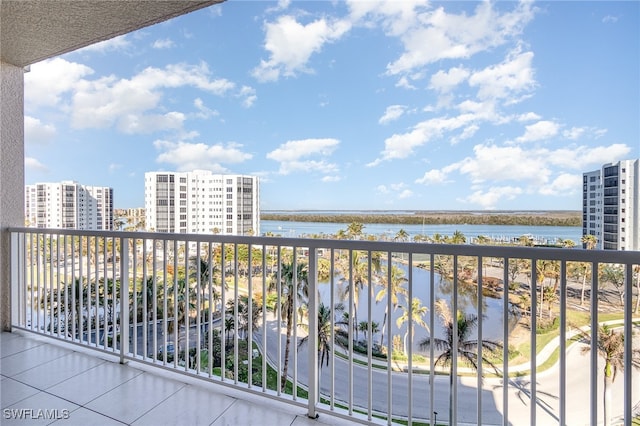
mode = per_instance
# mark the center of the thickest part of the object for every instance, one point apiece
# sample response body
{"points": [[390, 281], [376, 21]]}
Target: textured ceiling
{"points": [[33, 30]]}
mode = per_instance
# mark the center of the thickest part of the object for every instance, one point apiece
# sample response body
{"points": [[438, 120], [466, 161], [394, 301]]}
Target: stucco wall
{"points": [[11, 174]]}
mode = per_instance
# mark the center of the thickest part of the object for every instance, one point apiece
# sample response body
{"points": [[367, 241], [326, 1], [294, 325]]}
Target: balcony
{"points": [[230, 317]]}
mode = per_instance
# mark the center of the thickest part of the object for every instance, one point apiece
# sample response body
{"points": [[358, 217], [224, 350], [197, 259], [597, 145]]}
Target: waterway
{"points": [[543, 234]]}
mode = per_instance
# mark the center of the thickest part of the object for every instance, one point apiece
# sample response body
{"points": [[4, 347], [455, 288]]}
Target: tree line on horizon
{"points": [[564, 219]]}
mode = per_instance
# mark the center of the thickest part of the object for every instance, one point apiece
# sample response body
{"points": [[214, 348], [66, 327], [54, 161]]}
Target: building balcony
{"points": [[202, 329]]}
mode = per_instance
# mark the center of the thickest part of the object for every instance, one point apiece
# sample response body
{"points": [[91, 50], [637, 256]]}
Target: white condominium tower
{"points": [[200, 202], [610, 206], [69, 205]]}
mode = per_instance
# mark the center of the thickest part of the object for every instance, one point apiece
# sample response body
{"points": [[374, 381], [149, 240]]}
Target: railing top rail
{"points": [[513, 252]]}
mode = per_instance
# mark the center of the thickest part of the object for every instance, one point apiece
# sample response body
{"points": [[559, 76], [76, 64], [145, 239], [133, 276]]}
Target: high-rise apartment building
{"points": [[610, 206], [202, 202], [69, 205]]}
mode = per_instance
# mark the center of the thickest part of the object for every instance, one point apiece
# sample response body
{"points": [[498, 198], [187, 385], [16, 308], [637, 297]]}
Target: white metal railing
{"points": [[356, 328]]}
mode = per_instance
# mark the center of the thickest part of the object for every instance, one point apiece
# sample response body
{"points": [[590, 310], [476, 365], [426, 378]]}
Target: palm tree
{"points": [[243, 314], [354, 230], [610, 346], [295, 288], [467, 347], [417, 313], [402, 235], [458, 238], [391, 289], [589, 241], [355, 270], [324, 334], [614, 274]]}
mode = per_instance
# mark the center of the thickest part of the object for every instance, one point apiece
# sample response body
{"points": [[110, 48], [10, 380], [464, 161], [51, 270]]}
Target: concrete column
{"points": [[11, 175]]}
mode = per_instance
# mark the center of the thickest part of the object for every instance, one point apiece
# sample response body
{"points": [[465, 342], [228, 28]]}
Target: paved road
{"points": [[547, 403]]}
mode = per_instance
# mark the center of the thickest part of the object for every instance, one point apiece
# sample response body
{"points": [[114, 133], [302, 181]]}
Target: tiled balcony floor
{"points": [[94, 389]]}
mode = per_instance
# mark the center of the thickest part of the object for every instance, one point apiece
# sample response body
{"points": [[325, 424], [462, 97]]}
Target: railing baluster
{"points": [[350, 333], [223, 302], [279, 317], [154, 303], [389, 339], [453, 409], [264, 318], [480, 372], [165, 304], [199, 286], [212, 306], [628, 344], [134, 291], [236, 356], [332, 304], [370, 335], [432, 315], [409, 337], [187, 315], [594, 343], [533, 339], [505, 340], [124, 300], [176, 324], [249, 318], [312, 341], [294, 338], [563, 344]]}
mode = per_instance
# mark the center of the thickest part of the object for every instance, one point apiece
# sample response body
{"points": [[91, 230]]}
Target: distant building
{"points": [[201, 202], [610, 209], [130, 219], [69, 205]]}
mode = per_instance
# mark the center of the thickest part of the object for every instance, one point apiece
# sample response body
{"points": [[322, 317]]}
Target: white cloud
{"points": [[116, 43], [528, 116], [404, 194], [49, 80], [445, 81], [404, 83], [35, 165], [131, 105], [490, 198], [126, 103], [331, 179], [191, 156], [113, 167], [486, 28], [248, 94], [496, 163], [581, 157], [398, 190], [400, 146], [539, 131], [166, 43], [290, 45], [293, 156], [392, 113], [150, 123], [505, 80], [203, 111], [610, 19], [37, 132], [578, 132], [433, 177], [564, 184]]}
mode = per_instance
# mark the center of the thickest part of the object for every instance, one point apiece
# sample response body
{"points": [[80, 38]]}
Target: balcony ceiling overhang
{"points": [[34, 30]]}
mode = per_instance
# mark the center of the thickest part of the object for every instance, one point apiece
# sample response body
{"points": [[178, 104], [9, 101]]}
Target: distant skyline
{"points": [[351, 105]]}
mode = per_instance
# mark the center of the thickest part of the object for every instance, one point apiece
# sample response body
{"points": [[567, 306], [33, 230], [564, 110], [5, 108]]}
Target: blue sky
{"points": [[351, 104]]}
